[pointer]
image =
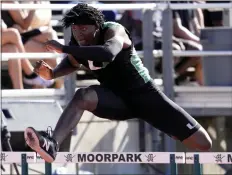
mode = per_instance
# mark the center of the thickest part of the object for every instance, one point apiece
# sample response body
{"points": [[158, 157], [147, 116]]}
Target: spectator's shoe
{"points": [[38, 81], [42, 143]]}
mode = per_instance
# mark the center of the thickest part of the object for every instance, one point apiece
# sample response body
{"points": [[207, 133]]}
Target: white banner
{"points": [[16, 157], [210, 158], [99, 157], [125, 157]]}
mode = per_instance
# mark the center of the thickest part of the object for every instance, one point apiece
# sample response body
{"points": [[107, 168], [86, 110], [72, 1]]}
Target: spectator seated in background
{"points": [[132, 20], [11, 42], [37, 20], [214, 17], [186, 28]]}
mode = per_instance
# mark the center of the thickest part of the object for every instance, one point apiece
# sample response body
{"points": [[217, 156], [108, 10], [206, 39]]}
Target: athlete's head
{"points": [[85, 21]]}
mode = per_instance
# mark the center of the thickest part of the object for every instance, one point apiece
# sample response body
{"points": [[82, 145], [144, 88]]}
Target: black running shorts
{"points": [[148, 104]]}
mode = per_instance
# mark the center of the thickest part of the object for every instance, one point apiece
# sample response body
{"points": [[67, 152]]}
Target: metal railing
{"points": [[156, 53], [130, 6]]}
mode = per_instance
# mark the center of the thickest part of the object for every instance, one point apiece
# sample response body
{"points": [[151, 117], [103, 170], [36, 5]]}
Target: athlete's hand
{"points": [[43, 70], [53, 45]]}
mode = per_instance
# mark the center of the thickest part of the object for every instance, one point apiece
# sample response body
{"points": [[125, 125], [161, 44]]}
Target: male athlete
{"points": [[126, 89]]}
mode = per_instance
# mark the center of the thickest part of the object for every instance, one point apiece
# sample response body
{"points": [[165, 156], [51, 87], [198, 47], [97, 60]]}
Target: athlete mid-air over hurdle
{"points": [[126, 89]]}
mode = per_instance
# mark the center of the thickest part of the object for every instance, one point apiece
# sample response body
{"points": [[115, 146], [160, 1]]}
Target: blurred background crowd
{"points": [[27, 30]]}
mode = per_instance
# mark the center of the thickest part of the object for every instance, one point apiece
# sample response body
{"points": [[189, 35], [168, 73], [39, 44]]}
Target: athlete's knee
{"points": [[205, 142], [86, 99], [199, 140]]}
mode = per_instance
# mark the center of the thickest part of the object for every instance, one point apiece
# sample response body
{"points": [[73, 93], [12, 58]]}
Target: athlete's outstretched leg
{"points": [[185, 127], [161, 112], [94, 99], [47, 146], [84, 99], [199, 140]]}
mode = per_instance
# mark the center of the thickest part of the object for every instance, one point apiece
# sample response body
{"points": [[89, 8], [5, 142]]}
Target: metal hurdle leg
{"points": [[24, 164], [197, 167], [48, 168], [174, 169]]}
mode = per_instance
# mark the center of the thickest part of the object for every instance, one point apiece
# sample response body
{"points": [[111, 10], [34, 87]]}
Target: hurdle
{"points": [[25, 158], [197, 159], [200, 158], [172, 158]]}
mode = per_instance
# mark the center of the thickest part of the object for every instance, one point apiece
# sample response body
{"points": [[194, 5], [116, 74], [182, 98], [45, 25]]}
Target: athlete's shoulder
{"points": [[110, 24]]}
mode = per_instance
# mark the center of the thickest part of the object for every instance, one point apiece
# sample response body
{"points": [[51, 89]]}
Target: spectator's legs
{"points": [[27, 67], [47, 34], [36, 44], [14, 67], [199, 73], [16, 26], [192, 62], [12, 36], [38, 47]]}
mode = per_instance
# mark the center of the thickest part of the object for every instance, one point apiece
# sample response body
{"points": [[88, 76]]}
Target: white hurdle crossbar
{"points": [[173, 158], [98, 157], [123, 157]]}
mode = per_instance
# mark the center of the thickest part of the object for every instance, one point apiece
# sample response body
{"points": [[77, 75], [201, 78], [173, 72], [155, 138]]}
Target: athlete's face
{"points": [[84, 34]]}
